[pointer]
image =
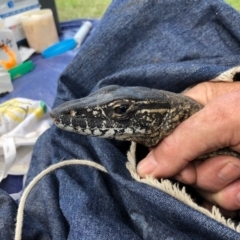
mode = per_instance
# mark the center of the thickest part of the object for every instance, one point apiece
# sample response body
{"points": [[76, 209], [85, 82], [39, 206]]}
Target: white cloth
{"points": [[22, 121]]}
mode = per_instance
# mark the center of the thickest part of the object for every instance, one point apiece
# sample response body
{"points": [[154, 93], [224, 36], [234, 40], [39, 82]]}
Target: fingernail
{"points": [[147, 165], [179, 178], [229, 172]]}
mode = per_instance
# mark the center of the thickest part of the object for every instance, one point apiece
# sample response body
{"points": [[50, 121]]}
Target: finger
{"points": [[226, 213], [216, 173], [228, 198], [188, 175], [207, 91]]}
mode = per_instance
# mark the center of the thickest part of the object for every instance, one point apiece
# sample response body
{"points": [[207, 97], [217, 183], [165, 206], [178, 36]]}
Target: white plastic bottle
{"points": [[9, 54]]}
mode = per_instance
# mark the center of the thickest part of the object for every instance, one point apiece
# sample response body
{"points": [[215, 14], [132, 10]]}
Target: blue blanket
{"points": [[167, 45]]}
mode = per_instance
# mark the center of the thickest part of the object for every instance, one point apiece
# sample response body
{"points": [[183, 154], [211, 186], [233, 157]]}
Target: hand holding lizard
{"points": [[216, 126]]}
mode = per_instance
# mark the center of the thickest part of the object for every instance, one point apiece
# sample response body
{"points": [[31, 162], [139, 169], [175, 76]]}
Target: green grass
{"points": [[234, 3], [74, 9]]}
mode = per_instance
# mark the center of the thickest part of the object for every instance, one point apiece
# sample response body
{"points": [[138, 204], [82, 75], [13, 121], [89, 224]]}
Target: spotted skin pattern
{"points": [[138, 114]]}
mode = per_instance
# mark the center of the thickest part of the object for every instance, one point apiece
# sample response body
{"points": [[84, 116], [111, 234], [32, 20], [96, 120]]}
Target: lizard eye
{"points": [[122, 109]]}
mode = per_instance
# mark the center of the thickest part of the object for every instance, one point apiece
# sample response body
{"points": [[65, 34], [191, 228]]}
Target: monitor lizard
{"points": [[139, 114]]}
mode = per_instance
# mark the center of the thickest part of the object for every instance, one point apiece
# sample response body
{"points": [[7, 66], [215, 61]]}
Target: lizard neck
{"points": [[181, 108]]}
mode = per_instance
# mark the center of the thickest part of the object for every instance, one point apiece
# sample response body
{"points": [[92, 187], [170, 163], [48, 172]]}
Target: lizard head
{"points": [[124, 113]]}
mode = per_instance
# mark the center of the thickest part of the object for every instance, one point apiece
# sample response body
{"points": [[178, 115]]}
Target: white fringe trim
{"points": [[227, 76], [173, 190]]}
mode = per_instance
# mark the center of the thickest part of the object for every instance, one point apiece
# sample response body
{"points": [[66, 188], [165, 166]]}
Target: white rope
{"points": [[20, 213]]}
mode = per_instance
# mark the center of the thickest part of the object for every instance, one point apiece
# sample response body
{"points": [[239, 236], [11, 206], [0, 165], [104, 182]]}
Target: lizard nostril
{"points": [[52, 114]]}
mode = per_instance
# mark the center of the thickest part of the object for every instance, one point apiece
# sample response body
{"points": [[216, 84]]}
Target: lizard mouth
{"points": [[54, 116], [59, 119]]}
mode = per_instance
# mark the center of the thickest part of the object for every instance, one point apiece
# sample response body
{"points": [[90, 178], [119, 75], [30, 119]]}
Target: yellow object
{"points": [[41, 110], [16, 109]]}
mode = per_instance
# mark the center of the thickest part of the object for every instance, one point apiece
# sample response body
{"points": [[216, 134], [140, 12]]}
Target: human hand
{"points": [[216, 126]]}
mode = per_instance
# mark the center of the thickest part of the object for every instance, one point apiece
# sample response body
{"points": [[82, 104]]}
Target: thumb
{"points": [[214, 127]]}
